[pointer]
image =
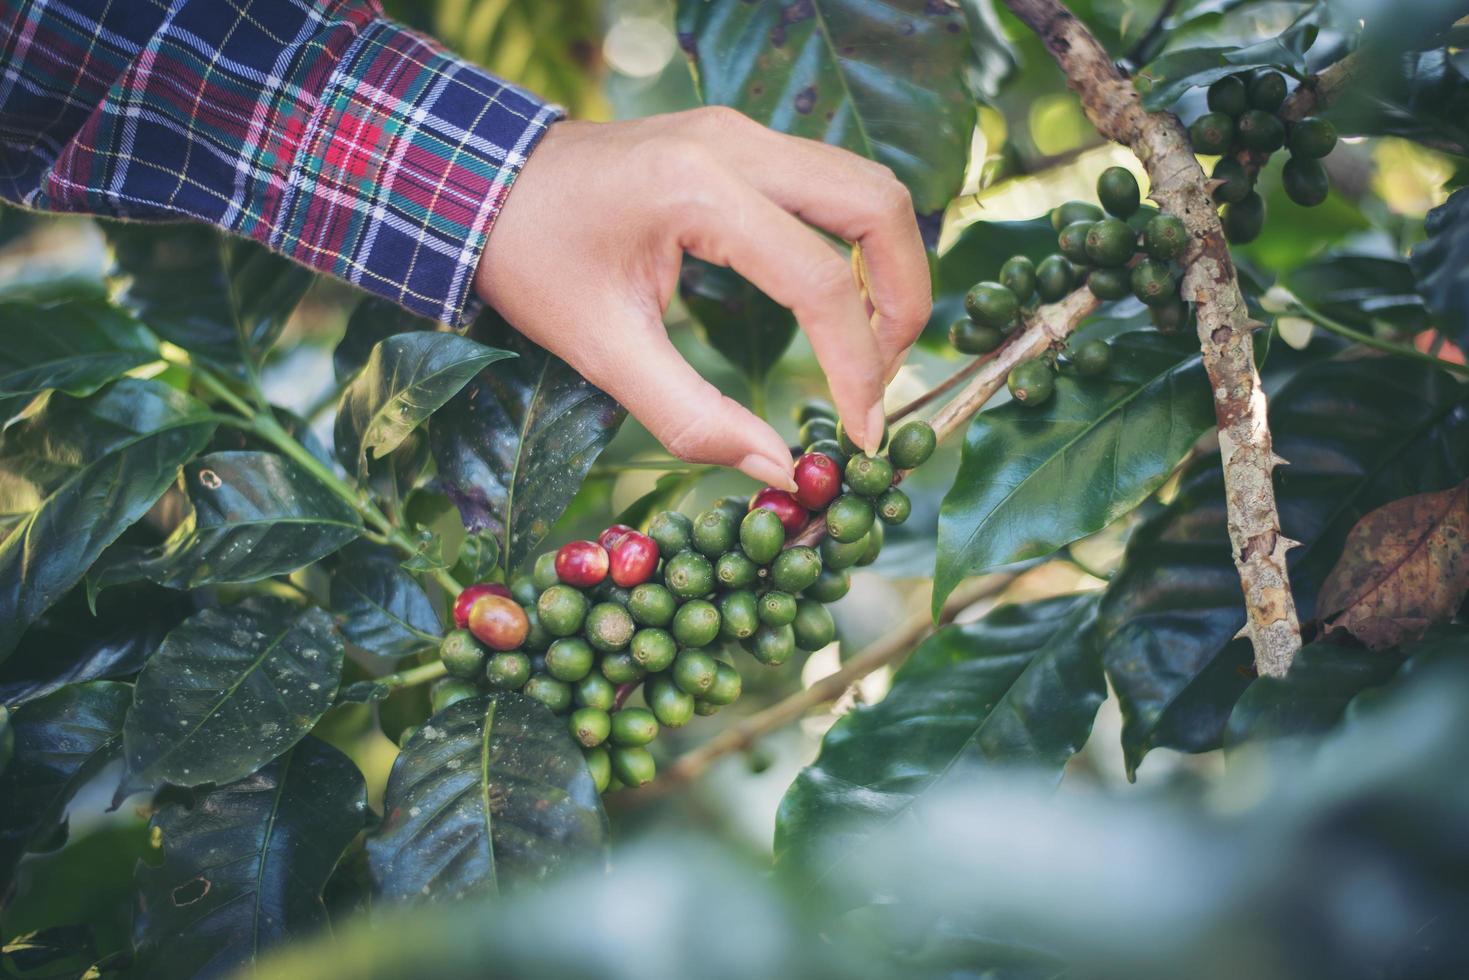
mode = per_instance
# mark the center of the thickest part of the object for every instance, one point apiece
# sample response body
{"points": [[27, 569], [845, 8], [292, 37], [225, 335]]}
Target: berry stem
{"points": [[421, 674], [939, 390], [1368, 340]]}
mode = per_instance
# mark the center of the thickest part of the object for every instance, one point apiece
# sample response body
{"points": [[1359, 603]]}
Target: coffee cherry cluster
{"points": [[663, 610], [1243, 119]]}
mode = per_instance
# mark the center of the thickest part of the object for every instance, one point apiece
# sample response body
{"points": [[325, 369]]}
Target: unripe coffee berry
{"points": [[694, 671], [912, 445], [599, 764], [688, 575], [633, 765], [814, 408], [869, 475], [795, 569], [894, 507], [850, 447], [671, 531], [714, 532], [818, 481], [609, 627], [784, 505], [634, 726], [450, 690], [608, 539], [817, 429], [595, 691], [633, 560], [590, 726], [772, 645], [873, 540], [498, 622], [726, 686], [653, 649], [561, 610], [813, 627], [696, 624], [570, 659], [673, 708], [508, 671], [735, 570], [651, 605], [582, 563], [739, 614], [849, 517], [620, 667], [761, 535], [777, 608], [543, 575], [462, 655], [554, 694], [830, 585], [470, 594], [837, 555]]}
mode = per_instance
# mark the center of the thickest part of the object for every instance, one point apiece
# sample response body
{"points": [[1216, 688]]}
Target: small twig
{"points": [[939, 390], [895, 645], [1368, 340]]}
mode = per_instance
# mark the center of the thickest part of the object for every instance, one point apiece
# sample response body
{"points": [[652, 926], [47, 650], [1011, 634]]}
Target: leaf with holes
{"points": [[1405, 566], [1018, 688], [243, 869], [254, 515], [229, 690], [381, 608], [1358, 434], [407, 378], [491, 792], [1101, 445], [513, 447], [883, 78], [220, 297], [1441, 264], [74, 476], [748, 328], [61, 741], [75, 345]]}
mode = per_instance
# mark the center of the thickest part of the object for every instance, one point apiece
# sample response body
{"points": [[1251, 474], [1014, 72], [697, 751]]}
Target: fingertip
{"points": [[765, 470], [872, 438]]}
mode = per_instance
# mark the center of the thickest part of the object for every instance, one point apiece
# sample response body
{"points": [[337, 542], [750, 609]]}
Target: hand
{"points": [[585, 255]]}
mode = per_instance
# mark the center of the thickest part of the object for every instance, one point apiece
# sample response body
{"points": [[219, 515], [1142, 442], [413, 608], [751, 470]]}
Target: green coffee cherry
{"points": [[773, 645], [894, 507], [1118, 191], [650, 604], [739, 614], [830, 585], [1312, 138], [609, 627], [761, 536], [1259, 130], [1031, 382], [1237, 181], [1072, 241], [462, 655], [562, 610], [554, 694], [1165, 238], [817, 429], [543, 574], [814, 408], [1267, 91], [673, 708], [991, 304], [1229, 96], [653, 649], [1092, 358], [874, 539], [814, 627], [777, 608], [1152, 282], [1110, 242], [595, 691], [570, 659], [523, 590], [832, 449], [968, 337], [671, 531], [694, 671], [450, 690], [536, 637], [734, 507], [599, 764], [610, 591], [735, 570], [795, 569], [1072, 212], [1305, 181], [620, 667], [849, 517], [726, 686], [849, 447], [1054, 277], [714, 533], [1109, 284], [837, 555], [696, 624], [1244, 220], [633, 765], [1138, 220], [688, 575], [634, 726], [590, 726], [912, 445], [1212, 133], [1018, 276], [1171, 316], [869, 475], [508, 671]]}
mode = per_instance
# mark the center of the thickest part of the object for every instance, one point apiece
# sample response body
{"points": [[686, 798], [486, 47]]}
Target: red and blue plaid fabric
{"points": [[321, 129]]}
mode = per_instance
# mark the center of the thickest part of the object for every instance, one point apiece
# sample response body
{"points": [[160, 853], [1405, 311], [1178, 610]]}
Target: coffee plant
{"points": [[335, 642]]}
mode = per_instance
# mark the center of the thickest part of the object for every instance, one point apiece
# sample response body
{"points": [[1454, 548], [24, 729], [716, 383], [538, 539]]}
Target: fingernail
{"points": [[768, 471], [876, 419]]}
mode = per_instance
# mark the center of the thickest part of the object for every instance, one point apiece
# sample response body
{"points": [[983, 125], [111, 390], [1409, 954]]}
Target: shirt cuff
{"points": [[403, 168]]}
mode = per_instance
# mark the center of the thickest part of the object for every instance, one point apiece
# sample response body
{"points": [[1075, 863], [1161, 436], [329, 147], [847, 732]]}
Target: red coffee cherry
{"points": [[634, 559], [609, 538], [498, 622], [818, 481], [581, 563], [785, 505], [470, 595]]}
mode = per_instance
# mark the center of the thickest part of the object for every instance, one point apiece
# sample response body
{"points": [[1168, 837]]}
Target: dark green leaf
{"points": [[61, 741], [1419, 95], [1019, 688], [489, 793], [382, 608], [883, 79], [407, 378], [243, 869], [218, 296], [374, 320], [254, 515], [748, 328], [228, 691], [1361, 290], [1442, 266], [49, 954], [479, 556], [1358, 434], [74, 345], [977, 255], [514, 446], [1100, 445], [994, 59], [1166, 79], [74, 476]]}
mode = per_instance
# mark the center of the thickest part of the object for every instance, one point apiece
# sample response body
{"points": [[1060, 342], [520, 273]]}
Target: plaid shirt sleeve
{"points": [[317, 127]]}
